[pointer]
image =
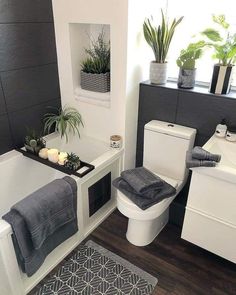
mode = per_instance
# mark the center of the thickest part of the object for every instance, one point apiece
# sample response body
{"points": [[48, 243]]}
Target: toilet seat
{"points": [[131, 210]]}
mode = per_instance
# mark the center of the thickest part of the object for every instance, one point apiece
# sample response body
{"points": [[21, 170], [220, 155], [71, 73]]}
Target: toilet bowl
{"points": [[165, 146]]}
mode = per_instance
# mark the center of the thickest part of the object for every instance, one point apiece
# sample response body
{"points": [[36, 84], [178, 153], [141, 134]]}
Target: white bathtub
{"points": [[20, 176]]}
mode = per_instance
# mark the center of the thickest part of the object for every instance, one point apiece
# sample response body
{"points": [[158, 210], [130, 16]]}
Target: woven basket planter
{"points": [[95, 82]]}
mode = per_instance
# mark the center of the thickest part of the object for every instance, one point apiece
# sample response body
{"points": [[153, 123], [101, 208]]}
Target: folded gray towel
{"points": [[139, 199], [141, 179], [201, 154], [29, 258], [191, 162]]}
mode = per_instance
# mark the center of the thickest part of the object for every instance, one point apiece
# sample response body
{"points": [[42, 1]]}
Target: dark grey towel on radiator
{"points": [[29, 258], [141, 179], [201, 154], [191, 162], [144, 202]]}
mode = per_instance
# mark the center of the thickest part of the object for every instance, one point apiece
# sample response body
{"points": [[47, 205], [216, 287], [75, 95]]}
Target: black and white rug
{"points": [[93, 270]]}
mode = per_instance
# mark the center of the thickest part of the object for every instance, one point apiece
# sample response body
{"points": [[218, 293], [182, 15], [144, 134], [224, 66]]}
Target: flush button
{"points": [[170, 125]]}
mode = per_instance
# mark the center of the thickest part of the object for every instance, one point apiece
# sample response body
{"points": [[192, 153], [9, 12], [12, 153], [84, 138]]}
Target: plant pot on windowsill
{"points": [[158, 73], [95, 82], [159, 39], [186, 63], [221, 79], [186, 78]]}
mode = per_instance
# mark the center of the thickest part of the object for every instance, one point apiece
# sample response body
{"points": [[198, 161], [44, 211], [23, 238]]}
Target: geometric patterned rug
{"points": [[93, 270]]}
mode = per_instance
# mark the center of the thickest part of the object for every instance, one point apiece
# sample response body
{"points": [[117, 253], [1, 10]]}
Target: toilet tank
{"points": [[165, 146]]}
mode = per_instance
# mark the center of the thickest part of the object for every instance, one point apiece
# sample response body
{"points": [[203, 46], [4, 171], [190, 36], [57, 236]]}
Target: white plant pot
{"points": [[158, 73]]}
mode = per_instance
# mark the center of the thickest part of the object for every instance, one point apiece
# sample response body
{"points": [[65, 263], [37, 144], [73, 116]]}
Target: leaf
{"points": [[220, 20], [212, 34]]}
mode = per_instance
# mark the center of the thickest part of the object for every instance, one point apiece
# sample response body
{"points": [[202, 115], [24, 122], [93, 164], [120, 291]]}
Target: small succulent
{"points": [[34, 142], [72, 161]]}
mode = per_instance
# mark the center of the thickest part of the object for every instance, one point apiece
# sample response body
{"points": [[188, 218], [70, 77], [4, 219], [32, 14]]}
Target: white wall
{"points": [[130, 58]]}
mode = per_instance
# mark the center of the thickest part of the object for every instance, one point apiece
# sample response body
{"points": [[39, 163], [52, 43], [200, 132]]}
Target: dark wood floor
{"points": [[180, 267]]}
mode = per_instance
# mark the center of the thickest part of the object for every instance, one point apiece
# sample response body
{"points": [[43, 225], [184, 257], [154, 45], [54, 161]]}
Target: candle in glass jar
{"points": [[62, 158], [53, 155]]}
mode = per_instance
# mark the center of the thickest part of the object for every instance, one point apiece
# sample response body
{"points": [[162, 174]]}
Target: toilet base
{"points": [[143, 232]]}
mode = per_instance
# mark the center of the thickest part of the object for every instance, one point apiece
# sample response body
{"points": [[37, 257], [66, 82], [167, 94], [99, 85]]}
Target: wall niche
{"points": [[81, 37]]}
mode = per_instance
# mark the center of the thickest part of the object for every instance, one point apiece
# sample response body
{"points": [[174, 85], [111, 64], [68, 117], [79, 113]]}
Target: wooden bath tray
{"points": [[57, 166]]}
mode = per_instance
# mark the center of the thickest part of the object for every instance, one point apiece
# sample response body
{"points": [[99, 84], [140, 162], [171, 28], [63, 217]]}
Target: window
{"points": [[197, 17]]}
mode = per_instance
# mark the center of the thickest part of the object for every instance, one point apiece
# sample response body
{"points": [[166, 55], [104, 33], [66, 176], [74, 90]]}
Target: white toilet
{"points": [[165, 146]]}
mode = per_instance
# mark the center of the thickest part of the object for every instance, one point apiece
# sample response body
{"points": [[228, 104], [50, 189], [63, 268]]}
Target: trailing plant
{"points": [[66, 120], [222, 40], [159, 38], [98, 60], [187, 58], [72, 161]]}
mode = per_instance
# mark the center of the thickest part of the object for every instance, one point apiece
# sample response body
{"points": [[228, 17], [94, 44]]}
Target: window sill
{"points": [[197, 89]]}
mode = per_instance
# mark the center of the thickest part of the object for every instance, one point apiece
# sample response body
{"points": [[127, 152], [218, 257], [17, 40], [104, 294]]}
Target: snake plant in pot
{"points": [[187, 64], [159, 39], [223, 41]]}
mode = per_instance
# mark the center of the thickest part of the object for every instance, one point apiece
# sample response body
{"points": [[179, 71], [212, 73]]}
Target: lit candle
{"points": [[62, 158], [43, 153], [53, 155]]}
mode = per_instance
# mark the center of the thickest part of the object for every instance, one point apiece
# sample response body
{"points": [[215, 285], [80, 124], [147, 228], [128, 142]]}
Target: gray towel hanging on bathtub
{"points": [[37, 232]]}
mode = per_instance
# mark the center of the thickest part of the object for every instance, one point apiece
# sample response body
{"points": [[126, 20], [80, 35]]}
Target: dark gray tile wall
{"points": [[202, 111], [28, 68]]}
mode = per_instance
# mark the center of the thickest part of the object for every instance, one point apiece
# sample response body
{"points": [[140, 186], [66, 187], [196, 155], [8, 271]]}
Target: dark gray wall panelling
{"points": [[6, 140], [25, 11], [20, 120], [42, 85], [28, 68], [202, 111], [26, 44], [2, 103]]}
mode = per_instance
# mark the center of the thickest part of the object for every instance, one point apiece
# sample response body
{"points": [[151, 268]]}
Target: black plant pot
{"points": [[186, 78], [221, 79]]}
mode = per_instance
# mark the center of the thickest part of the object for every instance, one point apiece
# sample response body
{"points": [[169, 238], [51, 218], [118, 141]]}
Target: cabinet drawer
{"points": [[210, 234], [213, 196]]}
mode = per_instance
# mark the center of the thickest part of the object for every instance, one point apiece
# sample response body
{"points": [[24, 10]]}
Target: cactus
{"points": [[187, 58], [34, 142]]}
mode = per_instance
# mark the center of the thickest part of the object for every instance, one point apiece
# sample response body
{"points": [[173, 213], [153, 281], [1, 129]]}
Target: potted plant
{"points": [[186, 63], [66, 120], [95, 69], [224, 44], [159, 39], [72, 162], [34, 142]]}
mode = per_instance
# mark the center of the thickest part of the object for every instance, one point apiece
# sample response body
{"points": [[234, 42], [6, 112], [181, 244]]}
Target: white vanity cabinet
{"points": [[210, 217]]}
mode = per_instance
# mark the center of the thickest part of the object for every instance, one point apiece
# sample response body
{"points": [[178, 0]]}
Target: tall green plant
{"points": [[66, 120], [159, 38], [187, 58], [222, 40]]}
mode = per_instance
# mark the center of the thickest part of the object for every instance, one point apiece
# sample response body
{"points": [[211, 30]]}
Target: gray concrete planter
{"points": [[95, 82], [158, 73], [186, 78]]}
